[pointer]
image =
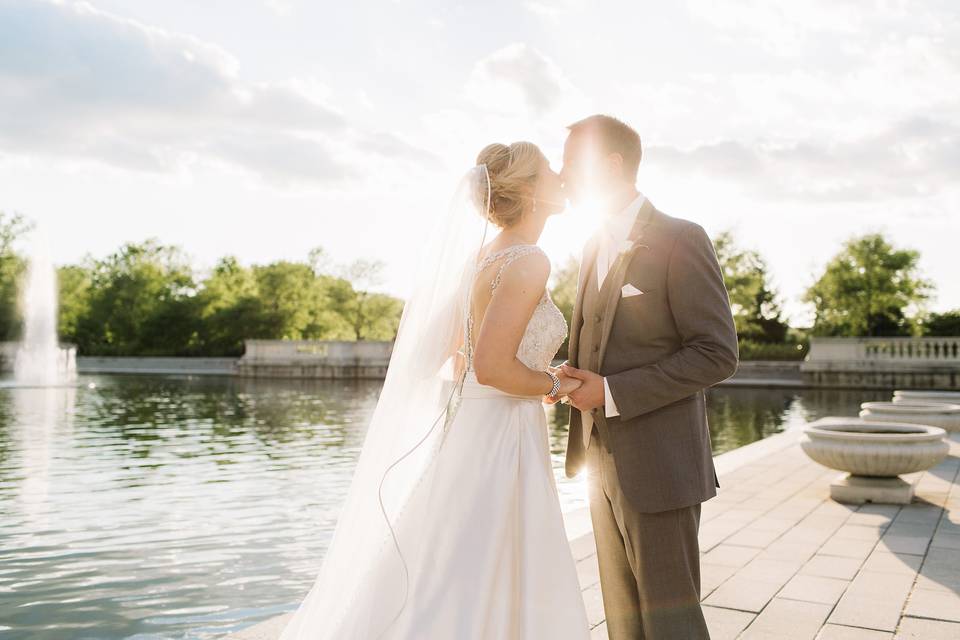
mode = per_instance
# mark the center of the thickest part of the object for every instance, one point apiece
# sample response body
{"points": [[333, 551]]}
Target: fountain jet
{"points": [[40, 361]]}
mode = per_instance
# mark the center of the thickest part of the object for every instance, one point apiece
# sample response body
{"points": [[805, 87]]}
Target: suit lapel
{"points": [[587, 270], [610, 292]]}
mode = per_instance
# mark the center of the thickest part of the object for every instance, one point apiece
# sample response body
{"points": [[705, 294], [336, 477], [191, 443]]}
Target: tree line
{"points": [[869, 288], [147, 299]]}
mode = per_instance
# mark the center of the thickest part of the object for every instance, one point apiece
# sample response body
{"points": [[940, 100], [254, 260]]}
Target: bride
{"points": [[452, 526]]}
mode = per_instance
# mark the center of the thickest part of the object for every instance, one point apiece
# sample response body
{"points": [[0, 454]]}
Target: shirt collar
{"points": [[620, 223]]}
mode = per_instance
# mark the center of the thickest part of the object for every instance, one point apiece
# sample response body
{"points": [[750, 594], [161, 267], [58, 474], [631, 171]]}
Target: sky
{"points": [[266, 128]]}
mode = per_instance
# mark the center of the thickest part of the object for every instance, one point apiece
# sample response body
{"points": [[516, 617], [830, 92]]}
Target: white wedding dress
{"points": [[485, 549]]}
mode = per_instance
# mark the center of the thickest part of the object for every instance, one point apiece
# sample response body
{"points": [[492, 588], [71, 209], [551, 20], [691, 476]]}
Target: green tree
{"points": [[140, 303], [145, 300], [378, 318], [229, 308], [12, 267], [74, 285], [370, 316], [942, 324], [753, 300], [870, 288], [290, 296], [320, 261]]}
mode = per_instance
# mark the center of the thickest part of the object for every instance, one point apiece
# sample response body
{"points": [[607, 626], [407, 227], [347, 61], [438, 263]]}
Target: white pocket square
{"points": [[628, 290]]}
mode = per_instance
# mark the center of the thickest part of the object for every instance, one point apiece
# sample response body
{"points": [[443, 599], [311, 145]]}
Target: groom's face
{"points": [[585, 172]]}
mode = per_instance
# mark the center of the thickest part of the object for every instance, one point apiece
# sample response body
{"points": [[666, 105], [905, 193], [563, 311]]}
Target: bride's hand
{"points": [[568, 384]]}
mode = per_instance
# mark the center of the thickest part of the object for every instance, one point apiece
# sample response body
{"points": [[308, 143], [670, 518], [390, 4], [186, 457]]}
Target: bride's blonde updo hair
{"points": [[513, 171]]}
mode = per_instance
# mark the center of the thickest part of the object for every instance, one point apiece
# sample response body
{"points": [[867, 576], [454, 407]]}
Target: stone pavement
{"points": [[781, 561]]}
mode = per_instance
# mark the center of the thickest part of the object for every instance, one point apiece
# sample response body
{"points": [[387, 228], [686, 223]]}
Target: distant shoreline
{"points": [[831, 363], [760, 373]]}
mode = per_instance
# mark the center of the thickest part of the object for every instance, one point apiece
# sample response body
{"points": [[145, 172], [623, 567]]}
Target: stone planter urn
{"points": [[874, 455], [944, 397], [934, 414]]}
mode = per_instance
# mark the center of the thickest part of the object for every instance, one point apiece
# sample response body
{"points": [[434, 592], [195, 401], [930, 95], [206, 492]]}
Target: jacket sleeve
{"points": [[708, 351]]}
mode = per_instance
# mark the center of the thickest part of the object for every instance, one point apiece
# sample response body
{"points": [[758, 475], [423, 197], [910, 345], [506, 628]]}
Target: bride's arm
{"points": [[504, 322]]}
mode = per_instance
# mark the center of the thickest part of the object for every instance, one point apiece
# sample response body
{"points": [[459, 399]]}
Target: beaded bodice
{"points": [[547, 327]]}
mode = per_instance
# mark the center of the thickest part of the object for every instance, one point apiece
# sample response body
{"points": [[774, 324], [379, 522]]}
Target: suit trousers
{"points": [[649, 562]]}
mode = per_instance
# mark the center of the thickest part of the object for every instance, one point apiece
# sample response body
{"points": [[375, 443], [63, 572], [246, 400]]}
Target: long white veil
{"points": [[418, 399]]}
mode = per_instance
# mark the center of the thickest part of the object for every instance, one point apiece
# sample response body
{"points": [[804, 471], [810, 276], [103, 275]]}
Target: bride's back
{"points": [[546, 328]]}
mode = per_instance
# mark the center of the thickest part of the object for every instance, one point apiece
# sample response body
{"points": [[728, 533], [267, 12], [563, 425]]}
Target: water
{"points": [[187, 507]]}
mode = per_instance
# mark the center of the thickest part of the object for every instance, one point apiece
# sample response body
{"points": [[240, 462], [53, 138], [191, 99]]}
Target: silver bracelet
{"points": [[556, 384]]}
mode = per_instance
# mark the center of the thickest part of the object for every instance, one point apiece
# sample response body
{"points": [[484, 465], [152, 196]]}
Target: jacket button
{"points": [[596, 348], [599, 317]]}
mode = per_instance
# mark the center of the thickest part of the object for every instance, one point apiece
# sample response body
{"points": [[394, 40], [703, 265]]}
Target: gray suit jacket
{"points": [[658, 351]]}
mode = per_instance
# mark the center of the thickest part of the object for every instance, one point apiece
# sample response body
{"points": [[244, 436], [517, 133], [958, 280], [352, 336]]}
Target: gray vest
{"points": [[588, 345]]}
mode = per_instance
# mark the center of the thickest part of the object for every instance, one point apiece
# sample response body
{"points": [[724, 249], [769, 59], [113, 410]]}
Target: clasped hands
{"points": [[581, 388]]}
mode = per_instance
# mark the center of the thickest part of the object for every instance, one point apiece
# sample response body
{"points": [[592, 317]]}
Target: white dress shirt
{"points": [[612, 233]]}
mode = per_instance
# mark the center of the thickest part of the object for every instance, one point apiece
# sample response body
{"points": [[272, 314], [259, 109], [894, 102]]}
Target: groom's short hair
{"points": [[614, 136]]}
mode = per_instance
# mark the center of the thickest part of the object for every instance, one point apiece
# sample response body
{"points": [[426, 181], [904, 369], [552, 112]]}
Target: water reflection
{"points": [[168, 507], [740, 415], [186, 507]]}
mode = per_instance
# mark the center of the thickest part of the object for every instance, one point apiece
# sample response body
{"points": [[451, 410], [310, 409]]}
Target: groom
{"points": [[651, 329]]}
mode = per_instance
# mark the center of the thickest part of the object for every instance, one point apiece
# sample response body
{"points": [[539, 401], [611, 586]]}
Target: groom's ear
{"points": [[615, 164]]}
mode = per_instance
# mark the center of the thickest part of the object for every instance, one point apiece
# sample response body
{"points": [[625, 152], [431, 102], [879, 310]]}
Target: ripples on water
{"points": [[188, 507]]}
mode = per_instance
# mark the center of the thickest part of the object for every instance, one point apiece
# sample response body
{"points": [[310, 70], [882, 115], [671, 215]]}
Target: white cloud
{"points": [[280, 7], [795, 29], [914, 158], [836, 101], [79, 83], [553, 9], [515, 78]]}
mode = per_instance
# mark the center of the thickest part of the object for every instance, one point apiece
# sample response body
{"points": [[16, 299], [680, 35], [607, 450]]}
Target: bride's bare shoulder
{"points": [[529, 271]]}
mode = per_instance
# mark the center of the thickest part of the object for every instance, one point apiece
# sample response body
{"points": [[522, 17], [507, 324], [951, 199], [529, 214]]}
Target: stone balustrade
{"points": [[315, 359], [906, 363], [907, 350]]}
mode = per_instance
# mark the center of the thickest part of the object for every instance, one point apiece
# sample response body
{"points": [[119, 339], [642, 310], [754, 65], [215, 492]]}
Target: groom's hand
{"points": [[590, 394]]}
